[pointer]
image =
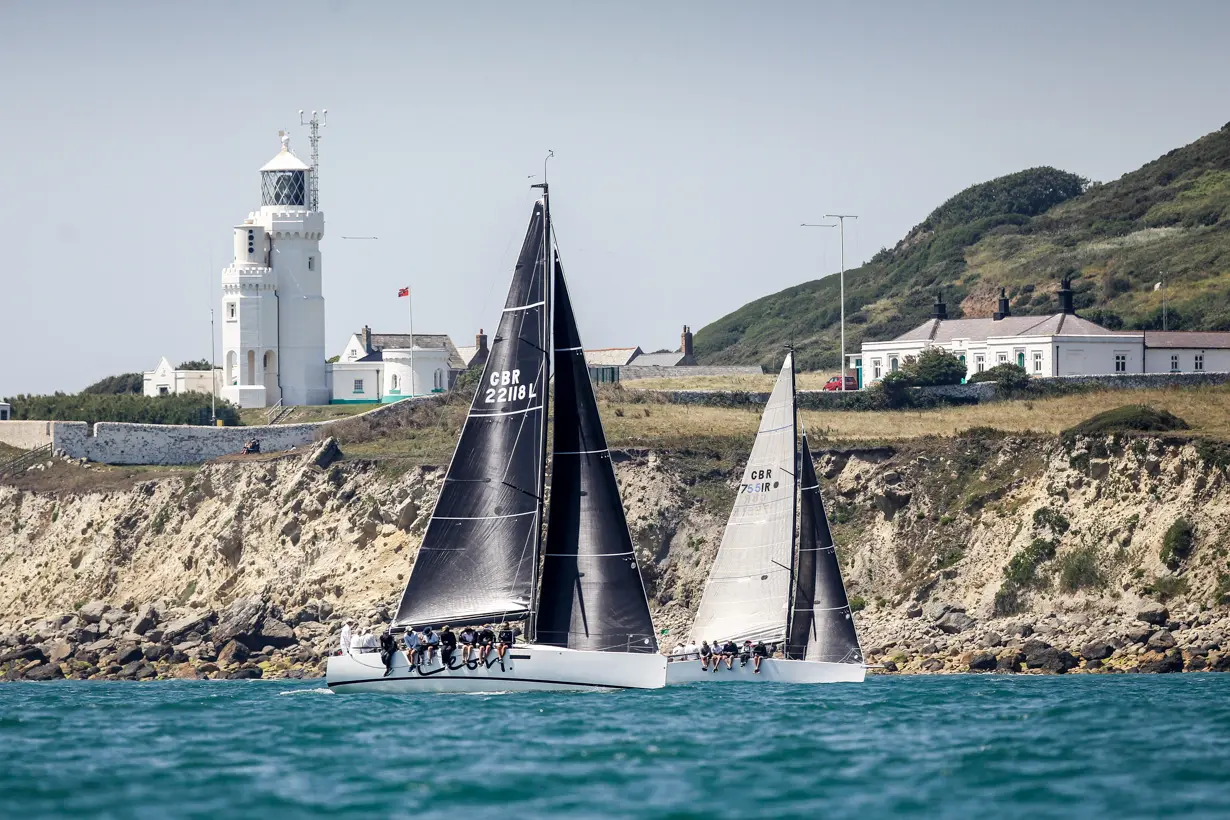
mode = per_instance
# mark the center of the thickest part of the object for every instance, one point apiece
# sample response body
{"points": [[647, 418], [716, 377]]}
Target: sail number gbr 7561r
{"points": [[505, 385], [758, 481]]}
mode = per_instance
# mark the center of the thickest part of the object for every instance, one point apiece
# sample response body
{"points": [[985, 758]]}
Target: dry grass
{"points": [[301, 415], [813, 380]]}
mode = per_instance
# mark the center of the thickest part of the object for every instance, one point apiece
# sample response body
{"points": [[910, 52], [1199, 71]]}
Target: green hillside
{"points": [[1022, 232]]}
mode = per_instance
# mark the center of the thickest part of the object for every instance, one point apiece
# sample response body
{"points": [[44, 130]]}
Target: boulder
{"points": [[60, 651], [114, 616], [1137, 633], [1021, 628], [932, 665], [146, 621], [246, 673], [128, 653], [92, 612], [1043, 656], [406, 514], [1161, 640], [198, 622], [131, 670], [928, 649], [889, 666], [99, 646], [1010, 661], [155, 651], [955, 622], [1097, 651], [990, 640], [983, 662], [914, 611], [25, 654], [186, 671], [44, 671], [1172, 661], [934, 610], [326, 453], [239, 620], [1155, 614], [207, 668], [233, 654]]}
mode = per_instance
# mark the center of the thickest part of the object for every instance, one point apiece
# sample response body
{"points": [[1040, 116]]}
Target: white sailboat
{"points": [[761, 588], [480, 560]]}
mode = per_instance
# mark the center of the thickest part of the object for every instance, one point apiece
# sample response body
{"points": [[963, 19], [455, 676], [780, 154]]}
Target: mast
{"points": [[794, 497], [531, 622]]}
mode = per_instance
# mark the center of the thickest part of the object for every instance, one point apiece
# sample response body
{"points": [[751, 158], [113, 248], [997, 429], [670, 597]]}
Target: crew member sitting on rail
{"points": [[413, 646], [469, 641], [504, 640], [759, 653], [706, 655], [729, 650], [448, 645], [486, 640], [432, 641], [388, 649], [745, 654]]}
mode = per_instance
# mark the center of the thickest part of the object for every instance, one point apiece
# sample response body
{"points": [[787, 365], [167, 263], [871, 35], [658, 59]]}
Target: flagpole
{"points": [[410, 306]]}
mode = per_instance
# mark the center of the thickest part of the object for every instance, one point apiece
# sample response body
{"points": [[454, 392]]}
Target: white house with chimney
{"points": [[1059, 344], [388, 367]]}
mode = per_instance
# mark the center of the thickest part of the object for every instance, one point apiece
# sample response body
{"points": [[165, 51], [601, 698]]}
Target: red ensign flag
{"points": [[403, 292]]}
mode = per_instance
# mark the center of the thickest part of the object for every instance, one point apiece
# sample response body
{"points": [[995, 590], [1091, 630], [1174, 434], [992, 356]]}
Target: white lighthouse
{"points": [[273, 312]]}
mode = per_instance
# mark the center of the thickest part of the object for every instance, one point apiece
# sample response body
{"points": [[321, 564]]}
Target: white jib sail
{"points": [[748, 591]]}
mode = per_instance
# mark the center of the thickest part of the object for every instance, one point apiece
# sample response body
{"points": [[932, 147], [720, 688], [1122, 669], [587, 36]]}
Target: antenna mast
{"points": [[314, 125]]}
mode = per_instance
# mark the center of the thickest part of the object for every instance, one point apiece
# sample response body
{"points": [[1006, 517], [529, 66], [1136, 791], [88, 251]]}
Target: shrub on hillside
{"points": [[124, 383], [1132, 418], [1079, 570], [184, 408], [1006, 376], [1177, 543], [195, 364]]}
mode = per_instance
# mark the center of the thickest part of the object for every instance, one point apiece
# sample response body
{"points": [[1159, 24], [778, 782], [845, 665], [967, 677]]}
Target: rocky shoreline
{"points": [[252, 638]]}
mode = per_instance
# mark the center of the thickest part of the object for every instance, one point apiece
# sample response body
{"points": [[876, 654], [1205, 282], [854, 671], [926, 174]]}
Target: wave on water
{"points": [[320, 690]]}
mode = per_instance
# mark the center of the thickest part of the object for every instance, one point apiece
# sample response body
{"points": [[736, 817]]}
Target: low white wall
{"points": [[26, 435]]}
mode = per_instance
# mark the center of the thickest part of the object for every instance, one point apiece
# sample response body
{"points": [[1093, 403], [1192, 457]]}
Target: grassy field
{"points": [[303, 415], [812, 380], [430, 438]]}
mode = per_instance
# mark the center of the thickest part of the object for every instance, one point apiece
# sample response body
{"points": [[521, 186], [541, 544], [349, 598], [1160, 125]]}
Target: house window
{"points": [[311, 263], [875, 369], [230, 311], [980, 363], [1174, 362], [892, 364], [438, 379], [1001, 358], [1037, 361], [1198, 364], [1120, 362], [394, 383], [163, 390], [358, 385]]}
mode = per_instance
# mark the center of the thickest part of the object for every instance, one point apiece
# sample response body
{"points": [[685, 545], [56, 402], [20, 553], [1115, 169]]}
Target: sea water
{"points": [[946, 746]]}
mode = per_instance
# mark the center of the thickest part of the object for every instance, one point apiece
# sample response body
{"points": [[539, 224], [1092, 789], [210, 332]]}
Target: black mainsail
{"points": [[821, 626], [592, 594], [479, 552]]}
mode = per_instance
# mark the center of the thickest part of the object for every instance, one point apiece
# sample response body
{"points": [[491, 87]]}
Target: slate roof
{"points": [[607, 356], [427, 341], [1187, 339], [944, 331], [676, 359]]}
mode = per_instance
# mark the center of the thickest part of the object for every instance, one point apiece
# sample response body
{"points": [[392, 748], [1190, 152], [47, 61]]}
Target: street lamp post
{"points": [[841, 218]]}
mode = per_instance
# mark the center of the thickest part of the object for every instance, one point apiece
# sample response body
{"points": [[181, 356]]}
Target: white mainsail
{"points": [[748, 591]]}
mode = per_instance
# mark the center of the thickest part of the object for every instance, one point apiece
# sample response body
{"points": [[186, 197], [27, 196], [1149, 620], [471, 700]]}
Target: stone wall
{"points": [[122, 443], [1124, 381], [833, 399], [25, 435], [631, 371]]}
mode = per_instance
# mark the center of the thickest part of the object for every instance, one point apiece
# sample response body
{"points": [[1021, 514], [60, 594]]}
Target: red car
{"points": [[835, 383]]}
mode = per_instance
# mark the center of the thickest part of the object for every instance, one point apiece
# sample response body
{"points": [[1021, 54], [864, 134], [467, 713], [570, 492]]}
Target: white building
{"points": [[6, 411], [166, 380], [1061, 344], [273, 311], [388, 367]]}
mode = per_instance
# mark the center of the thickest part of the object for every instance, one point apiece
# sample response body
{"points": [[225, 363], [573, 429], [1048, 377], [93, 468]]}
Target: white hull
{"points": [[526, 669], [772, 670]]}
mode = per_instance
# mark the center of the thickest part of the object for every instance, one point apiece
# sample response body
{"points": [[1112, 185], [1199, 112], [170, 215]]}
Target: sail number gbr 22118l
{"points": [[758, 481], [506, 385]]}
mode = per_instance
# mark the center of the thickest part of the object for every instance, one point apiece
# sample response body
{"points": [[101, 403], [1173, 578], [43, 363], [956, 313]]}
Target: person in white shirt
{"points": [[411, 639], [691, 650], [344, 643]]}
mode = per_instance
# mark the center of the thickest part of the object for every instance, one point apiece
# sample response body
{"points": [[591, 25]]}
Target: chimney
{"points": [[1003, 306], [685, 341], [939, 310], [1065, 296], [367, 338], [480, 342]]}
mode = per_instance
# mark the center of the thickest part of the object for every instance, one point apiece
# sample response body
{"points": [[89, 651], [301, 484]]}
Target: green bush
{"points": [[1022, 570], [934, 366], [124, 383], [1079, 570], [1051, 519], [1006, 376], [1177, 543], [195, 364], [182, 408], [1008, 601], [858, 603], [1166, 587], [1132, 418]]}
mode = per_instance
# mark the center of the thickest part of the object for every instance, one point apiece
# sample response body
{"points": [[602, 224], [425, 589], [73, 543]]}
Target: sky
{"points": [[690, 140]]}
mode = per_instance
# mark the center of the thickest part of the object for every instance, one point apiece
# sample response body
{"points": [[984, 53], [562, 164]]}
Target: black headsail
{"points": [[822, 626], [478, 554], [592, 594]]}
